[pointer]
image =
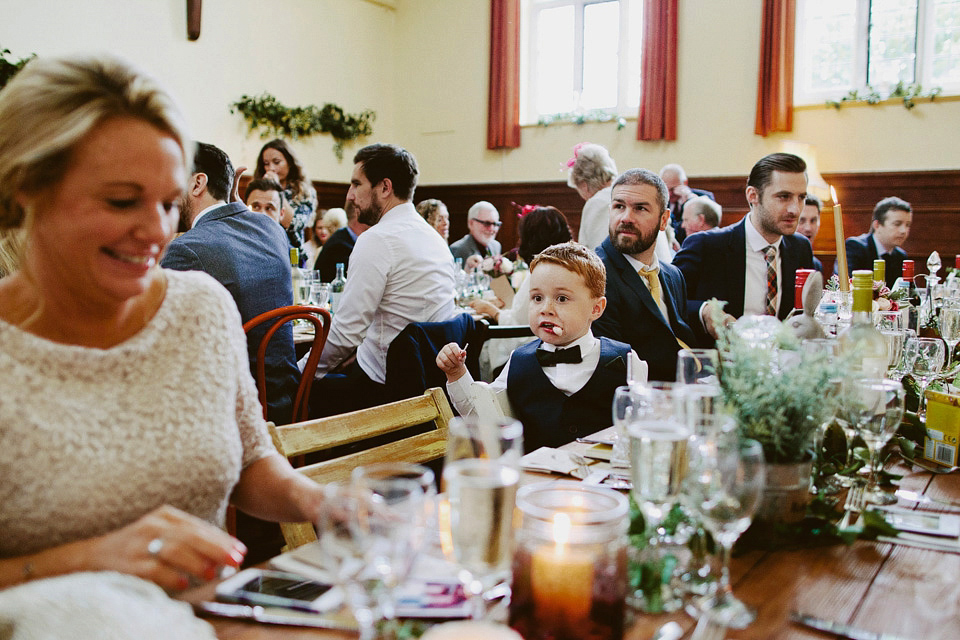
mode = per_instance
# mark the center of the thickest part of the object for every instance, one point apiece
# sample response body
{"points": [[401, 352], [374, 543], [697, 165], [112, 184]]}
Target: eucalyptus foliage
{"points": [[274, 119], [778, 392], [9, 68]]}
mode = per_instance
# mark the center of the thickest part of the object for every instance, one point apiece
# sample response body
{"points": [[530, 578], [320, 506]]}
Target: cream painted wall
{"points": [[422, 66], [301, 51], [717, 80]]}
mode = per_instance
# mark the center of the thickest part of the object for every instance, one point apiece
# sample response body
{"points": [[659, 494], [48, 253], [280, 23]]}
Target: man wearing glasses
{"points": [[483, 222]]}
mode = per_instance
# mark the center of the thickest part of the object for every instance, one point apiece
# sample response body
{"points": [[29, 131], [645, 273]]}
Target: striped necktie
{"points": [[770, 255]]}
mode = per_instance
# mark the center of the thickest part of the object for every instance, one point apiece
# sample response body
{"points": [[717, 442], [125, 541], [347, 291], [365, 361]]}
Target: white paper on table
{"points": [[548, 460]]}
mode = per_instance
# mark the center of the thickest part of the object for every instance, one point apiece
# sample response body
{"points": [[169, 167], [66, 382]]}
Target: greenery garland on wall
{"points": [[265, 112], [9, 68], [908, 93]]}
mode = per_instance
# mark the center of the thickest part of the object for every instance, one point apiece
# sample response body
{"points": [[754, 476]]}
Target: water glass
{"points": [[950, 329], [320, 294], [624, 400], [698, 366]]}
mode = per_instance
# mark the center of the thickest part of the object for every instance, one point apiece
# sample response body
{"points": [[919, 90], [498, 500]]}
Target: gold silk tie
{"points": [[652, 277]]}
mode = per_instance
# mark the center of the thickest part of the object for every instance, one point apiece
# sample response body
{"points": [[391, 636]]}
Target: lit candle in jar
{"points": [[562, 579], [842, 273]]}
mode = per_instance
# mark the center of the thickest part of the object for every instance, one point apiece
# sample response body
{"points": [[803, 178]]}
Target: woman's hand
{"points": [[485, 308], [167, 546]]}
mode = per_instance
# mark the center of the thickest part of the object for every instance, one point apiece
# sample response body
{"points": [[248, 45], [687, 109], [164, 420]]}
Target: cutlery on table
{"points": [[856, 501], [839, 629]]}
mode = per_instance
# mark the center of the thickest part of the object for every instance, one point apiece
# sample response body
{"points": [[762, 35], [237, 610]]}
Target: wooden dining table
{"points": [[904, 591]]}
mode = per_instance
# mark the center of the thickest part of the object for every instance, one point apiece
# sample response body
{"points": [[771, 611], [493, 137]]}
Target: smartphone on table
{"points": [[269, 588]]}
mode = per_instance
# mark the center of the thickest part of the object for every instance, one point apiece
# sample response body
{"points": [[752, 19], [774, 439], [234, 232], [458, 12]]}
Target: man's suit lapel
{"points": [[736, 255], [669, 286], [635, 284], [789, 261]]}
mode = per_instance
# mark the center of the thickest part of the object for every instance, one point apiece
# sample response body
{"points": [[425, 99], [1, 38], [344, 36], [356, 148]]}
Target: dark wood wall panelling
{"points": [[934, 195]]}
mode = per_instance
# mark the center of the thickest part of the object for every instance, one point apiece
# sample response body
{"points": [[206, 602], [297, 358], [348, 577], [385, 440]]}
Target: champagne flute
{"points": [[883, 407], [929, 362], [724, 484], [950, 330], [482, 495]]}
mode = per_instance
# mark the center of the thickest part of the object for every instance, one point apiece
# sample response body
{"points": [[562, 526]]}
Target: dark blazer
{"points": [[862, 251], [337, 248], [633, 317], [714, 264], [248, 254], [468, 246]]}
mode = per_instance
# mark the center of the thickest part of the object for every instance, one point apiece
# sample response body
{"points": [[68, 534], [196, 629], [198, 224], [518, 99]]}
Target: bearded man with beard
{"points": [[646, 299], [400, 272]]}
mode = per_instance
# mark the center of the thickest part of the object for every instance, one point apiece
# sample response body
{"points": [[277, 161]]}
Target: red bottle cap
{"points": [[801, 278], [908, 269]]}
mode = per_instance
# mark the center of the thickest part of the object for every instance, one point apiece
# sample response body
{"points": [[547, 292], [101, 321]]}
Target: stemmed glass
{"points": [[723, 484], [481, 474], [624, 400], [369, 539], [929, 362], [908, 355], [950, 328], [882, 407]]}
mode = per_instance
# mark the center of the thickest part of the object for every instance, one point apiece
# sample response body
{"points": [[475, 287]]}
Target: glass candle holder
{"points": [[570, 564]]}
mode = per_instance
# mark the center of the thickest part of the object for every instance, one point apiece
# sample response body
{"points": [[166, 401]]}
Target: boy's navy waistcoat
{"points": [[550, 417]]}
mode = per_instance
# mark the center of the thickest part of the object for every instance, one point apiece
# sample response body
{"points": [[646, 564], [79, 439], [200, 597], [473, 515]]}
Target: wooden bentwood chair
{"points": [[321, 327], [358, 426]]}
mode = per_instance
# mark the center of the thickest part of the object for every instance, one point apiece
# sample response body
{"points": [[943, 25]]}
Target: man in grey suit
{"points": [[483, 222], [248, 254]]}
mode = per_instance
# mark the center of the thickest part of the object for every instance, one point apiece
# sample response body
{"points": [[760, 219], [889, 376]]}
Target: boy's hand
{"points": [[450, 360]]}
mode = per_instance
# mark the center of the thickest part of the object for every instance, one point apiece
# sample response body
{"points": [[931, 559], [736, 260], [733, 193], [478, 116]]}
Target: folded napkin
{"points": [[548, 460]]}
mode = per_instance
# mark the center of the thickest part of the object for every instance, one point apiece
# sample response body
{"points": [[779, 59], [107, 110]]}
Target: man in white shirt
{"points": [[400, 272]]}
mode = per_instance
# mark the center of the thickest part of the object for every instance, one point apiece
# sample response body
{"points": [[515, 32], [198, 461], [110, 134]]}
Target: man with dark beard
{"points": [[646, 299], [400, 272]]}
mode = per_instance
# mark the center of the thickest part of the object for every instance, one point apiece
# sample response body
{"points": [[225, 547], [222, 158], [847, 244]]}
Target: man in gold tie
{"points": [[646, 299]]}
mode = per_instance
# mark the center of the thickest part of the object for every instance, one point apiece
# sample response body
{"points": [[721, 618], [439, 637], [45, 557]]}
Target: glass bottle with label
{"points": [[336, 288], [296, 276], [861, 342]]}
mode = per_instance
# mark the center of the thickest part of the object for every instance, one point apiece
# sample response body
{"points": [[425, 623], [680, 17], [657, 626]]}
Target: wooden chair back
{"points": [[357, 426], [278, 317]]}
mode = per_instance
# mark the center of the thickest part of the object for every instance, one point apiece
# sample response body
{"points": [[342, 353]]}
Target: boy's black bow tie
{"points": [[560, 356]]}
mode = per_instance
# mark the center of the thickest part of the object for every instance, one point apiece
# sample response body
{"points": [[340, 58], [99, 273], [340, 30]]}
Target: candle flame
{"points": [[561, 528], [833, 195]]}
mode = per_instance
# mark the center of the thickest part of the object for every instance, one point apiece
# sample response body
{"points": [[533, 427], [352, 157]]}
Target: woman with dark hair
{"points": [[278, 162]]}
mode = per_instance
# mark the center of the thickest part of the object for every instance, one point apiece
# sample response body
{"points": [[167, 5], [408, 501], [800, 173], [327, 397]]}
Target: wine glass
{"points": [[723, 484], [624, 400], [882, 403], [482, 495], [950, 330], [698, 366], [475, 437], [369, 538], [908, 356], [929, 362]]}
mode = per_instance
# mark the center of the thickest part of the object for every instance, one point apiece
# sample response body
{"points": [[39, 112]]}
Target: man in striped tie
{"points": [[752, 264]]}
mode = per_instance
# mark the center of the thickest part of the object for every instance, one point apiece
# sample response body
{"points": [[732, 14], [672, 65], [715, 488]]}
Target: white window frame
{"points": [[924, 55], [629, 56]]}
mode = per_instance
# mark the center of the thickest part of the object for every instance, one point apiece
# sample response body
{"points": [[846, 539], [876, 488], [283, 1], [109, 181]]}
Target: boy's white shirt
{"points": [[489, 400]]}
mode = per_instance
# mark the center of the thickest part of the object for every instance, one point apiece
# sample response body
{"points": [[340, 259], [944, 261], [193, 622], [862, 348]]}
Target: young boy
{"points": [[560, 386]]}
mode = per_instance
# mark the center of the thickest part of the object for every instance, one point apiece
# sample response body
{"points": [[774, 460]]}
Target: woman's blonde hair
{"points": [[52, 104], [593, 167], [334, 219]]}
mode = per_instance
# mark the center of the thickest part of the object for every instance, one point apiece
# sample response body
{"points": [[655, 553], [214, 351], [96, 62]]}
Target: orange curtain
{"points": [[658, 98], [775, 86], [503, 109]]}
